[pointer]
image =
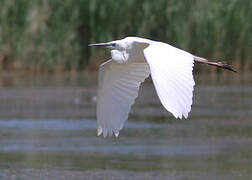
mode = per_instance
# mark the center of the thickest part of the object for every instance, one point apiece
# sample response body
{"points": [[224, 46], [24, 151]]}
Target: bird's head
{"points": [[126, 49], [118, 50], [118, 45]]}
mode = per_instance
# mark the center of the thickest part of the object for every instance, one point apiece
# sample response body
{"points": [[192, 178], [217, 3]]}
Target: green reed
{"points": [[54, 34]]}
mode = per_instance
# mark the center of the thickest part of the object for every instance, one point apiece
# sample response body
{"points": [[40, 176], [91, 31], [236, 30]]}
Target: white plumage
{"points": [[118, 87], [133, 60], [171, 72]]}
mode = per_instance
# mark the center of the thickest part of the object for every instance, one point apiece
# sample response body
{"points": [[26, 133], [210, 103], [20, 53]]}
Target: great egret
{"points": [[133, 60]]}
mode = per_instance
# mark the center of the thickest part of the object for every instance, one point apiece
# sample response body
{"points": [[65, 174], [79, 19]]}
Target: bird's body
{"points": [[133, 60]]}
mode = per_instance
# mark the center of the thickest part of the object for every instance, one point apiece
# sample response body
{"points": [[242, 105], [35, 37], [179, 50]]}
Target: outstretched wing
{"points": [[171, 72], [117, 89]]}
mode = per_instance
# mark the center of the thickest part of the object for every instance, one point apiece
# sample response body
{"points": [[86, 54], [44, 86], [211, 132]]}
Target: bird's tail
{"points": [[221, 64]]}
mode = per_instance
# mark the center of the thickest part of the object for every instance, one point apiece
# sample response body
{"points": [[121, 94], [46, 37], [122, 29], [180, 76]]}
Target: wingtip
{"points": [[185, 115], [105, 132], [181, 116], [116, 134], [99, 130]]}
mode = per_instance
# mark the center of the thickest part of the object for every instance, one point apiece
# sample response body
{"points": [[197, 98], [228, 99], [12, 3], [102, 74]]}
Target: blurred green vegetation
{"points": [[53, 35]]}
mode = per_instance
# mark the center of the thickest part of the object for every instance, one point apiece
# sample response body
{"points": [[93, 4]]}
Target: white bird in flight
{"points": [[133, 60]]}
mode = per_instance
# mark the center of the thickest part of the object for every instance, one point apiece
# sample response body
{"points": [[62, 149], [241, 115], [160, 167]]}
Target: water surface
{"points": [[48, 131]]}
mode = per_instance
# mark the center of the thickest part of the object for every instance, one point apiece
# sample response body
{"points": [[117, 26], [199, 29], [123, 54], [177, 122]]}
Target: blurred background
{"points": [[48, 81], [46, 35]]}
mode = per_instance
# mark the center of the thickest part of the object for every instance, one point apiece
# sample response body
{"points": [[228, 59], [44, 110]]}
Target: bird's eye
{"points": [[113, 44]]}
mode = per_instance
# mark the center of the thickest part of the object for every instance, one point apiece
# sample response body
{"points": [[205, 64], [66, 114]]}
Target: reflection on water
{"points": [[48, 131]]}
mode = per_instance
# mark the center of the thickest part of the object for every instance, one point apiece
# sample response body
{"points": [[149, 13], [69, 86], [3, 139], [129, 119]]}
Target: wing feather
{"points": [[171, 72], [117, 89]]}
